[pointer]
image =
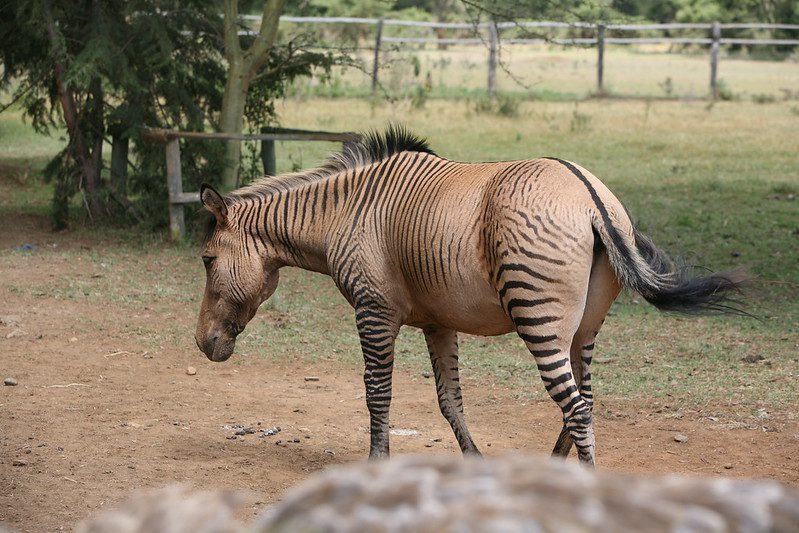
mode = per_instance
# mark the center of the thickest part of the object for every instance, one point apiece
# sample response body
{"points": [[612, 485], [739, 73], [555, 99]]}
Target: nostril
{"points": [[215, 337]]}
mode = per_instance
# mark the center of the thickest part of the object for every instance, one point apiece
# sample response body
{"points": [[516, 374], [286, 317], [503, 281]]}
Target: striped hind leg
{"points": [[443, 347], [547, 312], [603, 288]]}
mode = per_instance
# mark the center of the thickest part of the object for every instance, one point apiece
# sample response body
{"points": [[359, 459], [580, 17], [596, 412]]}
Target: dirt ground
{"points": [[96, 415]]}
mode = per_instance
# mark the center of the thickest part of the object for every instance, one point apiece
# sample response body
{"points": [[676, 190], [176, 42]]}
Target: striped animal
{"points": [[538, 246]]}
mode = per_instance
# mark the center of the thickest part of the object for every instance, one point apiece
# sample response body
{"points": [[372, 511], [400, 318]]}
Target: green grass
{"points": [[555, 73], [716, 184]]}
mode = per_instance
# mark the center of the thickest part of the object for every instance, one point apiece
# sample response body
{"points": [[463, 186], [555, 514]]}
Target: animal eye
{"points": [[208, 260]]}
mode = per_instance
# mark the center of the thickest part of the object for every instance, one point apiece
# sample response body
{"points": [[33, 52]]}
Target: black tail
{"points": [[680, 291]]}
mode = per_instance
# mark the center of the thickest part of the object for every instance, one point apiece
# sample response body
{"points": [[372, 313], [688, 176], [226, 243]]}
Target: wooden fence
{"points": [[174, 176], [489, 34]]}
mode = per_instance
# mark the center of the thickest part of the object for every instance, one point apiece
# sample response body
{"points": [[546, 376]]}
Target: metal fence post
{"points": [[600, 60], [376, 62], [714, 60], [493, 43], [174, 181]]}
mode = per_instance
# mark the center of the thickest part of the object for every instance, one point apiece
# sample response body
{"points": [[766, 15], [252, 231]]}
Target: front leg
{"points": [[443, 347], [377, 330]]}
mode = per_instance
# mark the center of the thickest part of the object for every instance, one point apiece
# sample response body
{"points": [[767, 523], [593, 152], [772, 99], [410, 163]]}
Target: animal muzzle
{"points": [[216, 346]]}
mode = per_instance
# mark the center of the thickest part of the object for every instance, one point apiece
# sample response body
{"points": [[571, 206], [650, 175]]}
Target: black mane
{"points": [[376, 146], [373, 146]]}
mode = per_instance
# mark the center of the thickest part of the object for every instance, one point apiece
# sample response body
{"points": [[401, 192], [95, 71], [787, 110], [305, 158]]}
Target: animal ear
{"points": [[213, 202]]}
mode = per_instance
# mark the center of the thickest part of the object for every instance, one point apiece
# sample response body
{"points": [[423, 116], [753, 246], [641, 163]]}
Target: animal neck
{"points": [[291, 223]]}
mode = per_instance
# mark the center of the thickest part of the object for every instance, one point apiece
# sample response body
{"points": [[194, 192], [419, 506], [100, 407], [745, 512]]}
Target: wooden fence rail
{"points": [[268, 136], [488, 34]]}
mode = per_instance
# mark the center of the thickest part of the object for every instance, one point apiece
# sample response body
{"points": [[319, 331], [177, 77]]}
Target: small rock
{"points": [[330, 452], [73, 339], [735, 253], [728, 466], [426, 374], [11, 382], [20, 462], [679, 437], [753, 358], [15, 333], [761, 413], [269, 432], [296, 439], [437, 439], [191, 371], [311, 378]]}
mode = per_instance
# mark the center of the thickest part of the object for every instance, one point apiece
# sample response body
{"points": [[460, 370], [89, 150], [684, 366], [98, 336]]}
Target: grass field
{"points": [[555, 73], [715, 184]]}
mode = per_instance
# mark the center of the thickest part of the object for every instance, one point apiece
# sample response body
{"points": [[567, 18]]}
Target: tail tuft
{"points": [[679, 291]]}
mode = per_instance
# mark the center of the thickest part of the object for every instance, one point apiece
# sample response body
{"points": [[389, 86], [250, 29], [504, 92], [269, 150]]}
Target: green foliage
{"points": [[166, 72], [724, 90]]}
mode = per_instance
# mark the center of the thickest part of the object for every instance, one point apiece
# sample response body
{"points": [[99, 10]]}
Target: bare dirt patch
{"points": [[104, 406]]}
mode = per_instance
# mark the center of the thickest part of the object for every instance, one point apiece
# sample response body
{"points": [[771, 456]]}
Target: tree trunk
{"points": [[119, 161], [91, 180], [243, 65], [80, 151], [231, 120]]}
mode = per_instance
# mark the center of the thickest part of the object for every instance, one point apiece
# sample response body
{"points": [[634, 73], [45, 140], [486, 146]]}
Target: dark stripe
{"points": [[609, 227]]}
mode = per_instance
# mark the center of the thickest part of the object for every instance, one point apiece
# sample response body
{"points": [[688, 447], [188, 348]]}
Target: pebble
{"points": [[191, 371], [20, 462], [11, 382], [311, 378], [330, 452], [679, 437], [269, 432], [426, 374], [728, 466], [73, 339]]}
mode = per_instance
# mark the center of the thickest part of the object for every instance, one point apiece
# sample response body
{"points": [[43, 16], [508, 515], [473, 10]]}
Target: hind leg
{"points": [[603, 288], [547, 312], [443, 347]]}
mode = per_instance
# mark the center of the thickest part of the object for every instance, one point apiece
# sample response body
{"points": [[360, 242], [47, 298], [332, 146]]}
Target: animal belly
{"points": [[476, 313]]}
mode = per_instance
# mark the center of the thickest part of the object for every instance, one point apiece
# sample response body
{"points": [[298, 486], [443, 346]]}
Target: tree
{"points": [[243, 65], [105, 68]]}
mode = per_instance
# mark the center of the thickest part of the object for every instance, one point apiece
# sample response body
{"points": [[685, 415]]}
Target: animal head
{"points": [[238, 279]]}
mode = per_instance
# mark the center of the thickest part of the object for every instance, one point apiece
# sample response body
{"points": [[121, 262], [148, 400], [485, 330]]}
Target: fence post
{"points": [[600, 60], [174, 181], [268, 157], [714, 60], [376, 62], [493, 42]]}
